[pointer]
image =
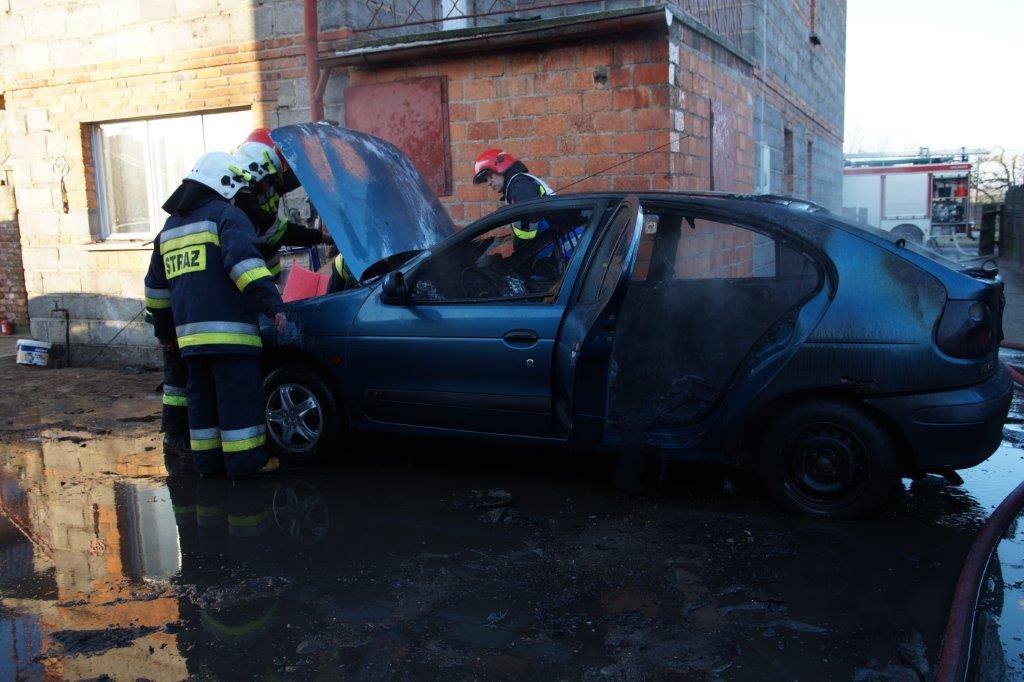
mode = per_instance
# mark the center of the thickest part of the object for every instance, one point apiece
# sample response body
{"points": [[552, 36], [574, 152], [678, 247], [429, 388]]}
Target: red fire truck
{"points": [[916, 197]]}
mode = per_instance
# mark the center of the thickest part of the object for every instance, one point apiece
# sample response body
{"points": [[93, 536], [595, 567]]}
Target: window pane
{"points": [[224, 132], [141, 163], [175, 143], [124, 168]]}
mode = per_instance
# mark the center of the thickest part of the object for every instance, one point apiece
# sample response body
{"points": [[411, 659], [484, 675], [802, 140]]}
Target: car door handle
{"points": [[521, 336]]}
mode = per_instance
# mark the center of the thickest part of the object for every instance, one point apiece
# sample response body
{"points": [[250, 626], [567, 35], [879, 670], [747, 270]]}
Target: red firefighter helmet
{"points": [[260, 156], [491, 161]]}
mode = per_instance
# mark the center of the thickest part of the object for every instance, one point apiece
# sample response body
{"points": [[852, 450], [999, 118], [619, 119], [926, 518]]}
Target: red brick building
{"points": [[104, 110]]}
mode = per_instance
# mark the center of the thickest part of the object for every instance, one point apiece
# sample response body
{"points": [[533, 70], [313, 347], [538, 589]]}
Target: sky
{"points": [[942, 74]]}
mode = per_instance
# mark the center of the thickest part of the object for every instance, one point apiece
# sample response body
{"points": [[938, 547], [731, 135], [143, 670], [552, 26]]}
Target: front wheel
{"points": [[301, 415], [828, 460]]}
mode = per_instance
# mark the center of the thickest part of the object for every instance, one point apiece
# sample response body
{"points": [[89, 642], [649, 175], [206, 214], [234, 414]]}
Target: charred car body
{"points": [[747, 330]]}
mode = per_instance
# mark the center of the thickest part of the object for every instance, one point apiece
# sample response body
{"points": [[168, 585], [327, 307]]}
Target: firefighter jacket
{"points": [[341, 276], [207, 283], [521, 186], [261, 207], [284, 233]]}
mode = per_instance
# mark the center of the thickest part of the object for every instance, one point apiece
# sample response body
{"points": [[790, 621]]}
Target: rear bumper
{"points": [[953, 429]]}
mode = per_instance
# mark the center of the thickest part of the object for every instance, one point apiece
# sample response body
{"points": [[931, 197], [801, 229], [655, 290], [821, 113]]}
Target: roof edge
{"points": [[459, 41]]}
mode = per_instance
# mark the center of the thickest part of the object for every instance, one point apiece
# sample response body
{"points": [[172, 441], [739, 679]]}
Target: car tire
{"points": [[301, 415], [828, 460]]}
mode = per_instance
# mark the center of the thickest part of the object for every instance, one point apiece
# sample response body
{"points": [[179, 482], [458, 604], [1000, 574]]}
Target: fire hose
{"points": [[1017, 373], [956, 645]]}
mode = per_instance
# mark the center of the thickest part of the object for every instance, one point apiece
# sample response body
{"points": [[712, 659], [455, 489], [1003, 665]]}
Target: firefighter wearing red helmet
{"points": [[271, 180], [508, 176]]}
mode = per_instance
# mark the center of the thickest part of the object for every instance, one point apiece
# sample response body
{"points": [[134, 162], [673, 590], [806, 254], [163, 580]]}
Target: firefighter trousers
{"points": [[174, 419], [225, 414]]}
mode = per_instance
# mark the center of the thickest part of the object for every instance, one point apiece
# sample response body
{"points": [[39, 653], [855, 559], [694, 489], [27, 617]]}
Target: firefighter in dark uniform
{"points": [[259, 199], [272, 178], [508, 176], [511, 179], [205, 287]]}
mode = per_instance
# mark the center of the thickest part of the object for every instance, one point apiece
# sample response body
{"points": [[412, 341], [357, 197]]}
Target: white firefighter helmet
{"points": [[220, 172], [259, 155]]}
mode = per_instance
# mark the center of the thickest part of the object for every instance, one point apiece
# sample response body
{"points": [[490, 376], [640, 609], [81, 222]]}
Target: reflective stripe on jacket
{"points": [[207, 264]]}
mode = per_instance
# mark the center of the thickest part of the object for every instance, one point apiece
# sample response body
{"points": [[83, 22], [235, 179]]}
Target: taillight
{"points": [[967, 329]]}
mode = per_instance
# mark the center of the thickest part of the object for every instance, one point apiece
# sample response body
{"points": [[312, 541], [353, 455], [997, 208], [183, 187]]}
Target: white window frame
{"points": [[222, 130]]}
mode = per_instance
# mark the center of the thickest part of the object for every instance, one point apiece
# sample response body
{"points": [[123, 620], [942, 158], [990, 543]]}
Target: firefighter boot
{"points": [[177, 445]]}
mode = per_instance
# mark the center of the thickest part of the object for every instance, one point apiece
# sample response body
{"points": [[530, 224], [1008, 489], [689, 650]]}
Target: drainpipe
{"points": [[312, 29], [67, 331]]}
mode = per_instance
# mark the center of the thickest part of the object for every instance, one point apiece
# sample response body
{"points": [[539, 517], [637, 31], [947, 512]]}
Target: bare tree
{"points": [[995, 174]]}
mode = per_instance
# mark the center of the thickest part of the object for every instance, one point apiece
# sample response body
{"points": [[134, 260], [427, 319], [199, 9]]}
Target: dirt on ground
{"points": [[403, 561], [91, 399]]}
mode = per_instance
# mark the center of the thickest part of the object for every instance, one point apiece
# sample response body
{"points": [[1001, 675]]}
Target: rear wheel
{"points": [[301, 415], [829, 460]]}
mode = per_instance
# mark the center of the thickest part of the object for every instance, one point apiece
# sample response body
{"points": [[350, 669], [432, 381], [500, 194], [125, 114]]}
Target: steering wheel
{"points": [[547, 260], [477, 283]]}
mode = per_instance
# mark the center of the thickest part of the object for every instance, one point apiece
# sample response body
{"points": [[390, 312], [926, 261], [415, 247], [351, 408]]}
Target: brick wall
{"points": [[574, 111], [671, 103]]}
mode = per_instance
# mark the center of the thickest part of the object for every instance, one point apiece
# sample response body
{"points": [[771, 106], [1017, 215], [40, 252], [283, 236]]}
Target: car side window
{"points": [[607, 261], [523, 260]]}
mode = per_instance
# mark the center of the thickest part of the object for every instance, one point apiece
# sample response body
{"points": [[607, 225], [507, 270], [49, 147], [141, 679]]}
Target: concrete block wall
{"points": [[13, 297], [803, 92]]}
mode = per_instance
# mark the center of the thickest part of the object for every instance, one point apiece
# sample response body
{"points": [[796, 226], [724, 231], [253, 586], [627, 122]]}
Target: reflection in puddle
{"points": [[115, 562], [82, 515]]}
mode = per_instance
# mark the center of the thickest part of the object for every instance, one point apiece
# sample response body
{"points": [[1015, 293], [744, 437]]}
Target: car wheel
{"points": [[301, 415], [828, 460]]}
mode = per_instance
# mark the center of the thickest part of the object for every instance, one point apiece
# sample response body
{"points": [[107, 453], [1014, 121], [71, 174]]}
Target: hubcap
{"points": [[294, 418], [826, 462]]}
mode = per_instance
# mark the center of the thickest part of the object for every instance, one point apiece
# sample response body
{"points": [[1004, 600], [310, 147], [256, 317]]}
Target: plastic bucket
{"points": [[32, 352]]}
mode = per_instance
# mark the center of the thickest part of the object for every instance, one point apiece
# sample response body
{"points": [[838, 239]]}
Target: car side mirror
{"points": [[394, 288]]}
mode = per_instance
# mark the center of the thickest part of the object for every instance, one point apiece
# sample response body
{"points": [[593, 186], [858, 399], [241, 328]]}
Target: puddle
{"points": [[472, 564]]}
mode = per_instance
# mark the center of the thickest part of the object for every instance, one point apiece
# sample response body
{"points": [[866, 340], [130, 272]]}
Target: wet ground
{"points": [[397, 563]]}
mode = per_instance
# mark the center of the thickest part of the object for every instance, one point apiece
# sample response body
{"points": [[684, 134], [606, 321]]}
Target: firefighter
{"points": [[510, 178], [205, 286], [272, 178], [174, 417]]}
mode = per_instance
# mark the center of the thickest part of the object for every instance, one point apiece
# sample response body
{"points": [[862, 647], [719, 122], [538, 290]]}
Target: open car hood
{"points": [[370, 197]]}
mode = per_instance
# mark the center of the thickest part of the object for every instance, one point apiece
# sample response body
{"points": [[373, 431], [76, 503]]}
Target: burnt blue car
{"points": [[754, 331]]}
